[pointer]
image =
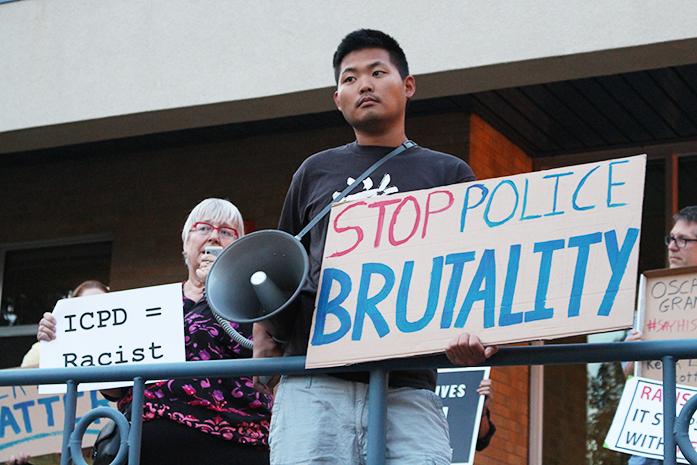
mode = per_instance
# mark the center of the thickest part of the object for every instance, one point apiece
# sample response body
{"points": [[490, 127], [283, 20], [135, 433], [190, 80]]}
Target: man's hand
{"points": [[19, 459], [47, 328], [628, 367], [632, 336], [467, 350], [264, 347]]}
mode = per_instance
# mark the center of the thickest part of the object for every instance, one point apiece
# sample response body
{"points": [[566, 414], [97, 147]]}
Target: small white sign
{"points": [[119, 328], [637, 428]]}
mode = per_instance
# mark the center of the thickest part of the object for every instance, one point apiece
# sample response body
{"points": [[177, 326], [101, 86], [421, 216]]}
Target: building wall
{"points": [[140, 198], [174, 64], [491, 155], [565, 412]]}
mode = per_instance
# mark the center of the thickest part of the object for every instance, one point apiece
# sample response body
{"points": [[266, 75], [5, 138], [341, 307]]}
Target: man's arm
{"points": [[628, 367], [264, 345]]}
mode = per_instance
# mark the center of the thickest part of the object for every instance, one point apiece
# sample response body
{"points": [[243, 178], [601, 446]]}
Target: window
{"points": [[33, 279], [687, 181]]}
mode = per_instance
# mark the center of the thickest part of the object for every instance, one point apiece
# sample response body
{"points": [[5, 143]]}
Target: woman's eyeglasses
{"points": [[206, 229]]}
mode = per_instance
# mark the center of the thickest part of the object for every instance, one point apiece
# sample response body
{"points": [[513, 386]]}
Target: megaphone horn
{"points": [[256, 278]]}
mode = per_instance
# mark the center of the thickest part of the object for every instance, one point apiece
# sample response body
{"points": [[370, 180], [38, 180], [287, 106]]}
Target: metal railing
{"points": [[675, 432]]}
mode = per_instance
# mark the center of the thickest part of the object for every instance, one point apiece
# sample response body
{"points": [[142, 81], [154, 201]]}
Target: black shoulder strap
{"points": [[407, 144]]}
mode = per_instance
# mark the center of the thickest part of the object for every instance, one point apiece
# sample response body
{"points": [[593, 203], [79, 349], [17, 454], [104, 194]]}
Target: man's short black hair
{"points": [[688, 214], [370, 38]]}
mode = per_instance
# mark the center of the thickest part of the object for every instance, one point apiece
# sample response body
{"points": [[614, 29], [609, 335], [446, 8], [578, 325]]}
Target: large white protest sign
{"points": [[533, 256], [136, 326], [637, 427], [33, 424], [668, 310], [463, 407]]}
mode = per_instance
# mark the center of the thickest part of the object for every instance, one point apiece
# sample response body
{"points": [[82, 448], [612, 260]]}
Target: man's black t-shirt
{"points": [[319, 179]]}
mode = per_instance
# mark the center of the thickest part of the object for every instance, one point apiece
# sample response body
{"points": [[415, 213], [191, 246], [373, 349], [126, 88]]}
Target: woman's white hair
{"points": [[213, 210]]}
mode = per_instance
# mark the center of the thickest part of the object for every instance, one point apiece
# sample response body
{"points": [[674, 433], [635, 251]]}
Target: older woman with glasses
{"points": [[205, 420]]}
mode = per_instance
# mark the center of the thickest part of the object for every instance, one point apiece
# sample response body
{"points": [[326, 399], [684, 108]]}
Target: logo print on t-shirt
{"points": [[368, 191]]}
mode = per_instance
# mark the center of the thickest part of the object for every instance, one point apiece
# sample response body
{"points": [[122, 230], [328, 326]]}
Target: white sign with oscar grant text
{"points": [[668, 310], [33, 424], [462, 405], [534, 256], [126, 327], [637, 427]]}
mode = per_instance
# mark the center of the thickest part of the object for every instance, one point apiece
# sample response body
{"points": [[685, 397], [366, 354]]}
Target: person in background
{"points": [[31, 360], [681, 244], [206, 421]]}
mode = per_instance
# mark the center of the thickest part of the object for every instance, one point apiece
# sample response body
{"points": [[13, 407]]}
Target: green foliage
{"points": [[604, 392]]}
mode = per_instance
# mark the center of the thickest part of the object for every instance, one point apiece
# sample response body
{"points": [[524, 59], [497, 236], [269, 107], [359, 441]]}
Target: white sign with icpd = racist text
{"points": [[137, 326]]}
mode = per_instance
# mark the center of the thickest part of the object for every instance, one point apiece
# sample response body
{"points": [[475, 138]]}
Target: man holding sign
{"points": [[682, 252], [322, 419]]}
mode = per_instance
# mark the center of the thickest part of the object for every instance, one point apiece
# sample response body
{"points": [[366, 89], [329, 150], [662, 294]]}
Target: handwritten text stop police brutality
{"points": [[529, 256]]}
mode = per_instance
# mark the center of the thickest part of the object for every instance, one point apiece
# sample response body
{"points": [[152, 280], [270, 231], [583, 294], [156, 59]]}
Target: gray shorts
{"points": [[320, 419]]}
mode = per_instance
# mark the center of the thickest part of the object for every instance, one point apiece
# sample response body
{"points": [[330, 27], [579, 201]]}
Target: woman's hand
{"points": [[47, 328], [204, 266]]}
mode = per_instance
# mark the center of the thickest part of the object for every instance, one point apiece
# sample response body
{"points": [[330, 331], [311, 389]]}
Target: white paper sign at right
{"points": [[637, 428]]}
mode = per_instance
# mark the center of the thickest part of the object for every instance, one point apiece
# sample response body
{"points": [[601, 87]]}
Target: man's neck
{"points": [[385, 139]]}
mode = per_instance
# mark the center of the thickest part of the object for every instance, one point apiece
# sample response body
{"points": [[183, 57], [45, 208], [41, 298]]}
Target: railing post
{"points": [[668, 410], [377, 413], [70, 406], [135, 431]]}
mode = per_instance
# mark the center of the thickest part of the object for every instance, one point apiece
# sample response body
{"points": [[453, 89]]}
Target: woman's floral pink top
{"points": [[226, 407]]}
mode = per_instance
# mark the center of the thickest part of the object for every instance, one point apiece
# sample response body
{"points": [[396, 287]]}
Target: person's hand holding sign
{"points": [[467, 350], [206, 261], [47, 328]]}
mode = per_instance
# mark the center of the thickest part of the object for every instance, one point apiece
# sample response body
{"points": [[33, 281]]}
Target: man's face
{"points": [[371, 94], [683, 256]]}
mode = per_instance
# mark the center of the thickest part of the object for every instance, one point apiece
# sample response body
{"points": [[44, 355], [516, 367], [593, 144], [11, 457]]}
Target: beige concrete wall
{"points": [[140, 66]]}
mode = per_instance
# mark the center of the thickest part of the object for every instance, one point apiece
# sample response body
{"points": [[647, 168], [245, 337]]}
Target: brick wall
{"points": [[565, 395], [492, 155]]}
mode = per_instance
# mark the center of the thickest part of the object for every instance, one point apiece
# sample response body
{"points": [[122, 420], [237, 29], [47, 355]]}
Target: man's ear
{"points": [[409, 86], [336, 100]]}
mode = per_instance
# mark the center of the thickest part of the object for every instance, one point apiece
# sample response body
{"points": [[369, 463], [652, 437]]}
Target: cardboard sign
{"points": [[33, 424], [668, 310], [534, 256], [637, 427], [463, 407], [136, 326]]}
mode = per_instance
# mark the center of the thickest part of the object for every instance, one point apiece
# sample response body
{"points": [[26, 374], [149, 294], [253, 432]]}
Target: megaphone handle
{"points": [[407, 144]]}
